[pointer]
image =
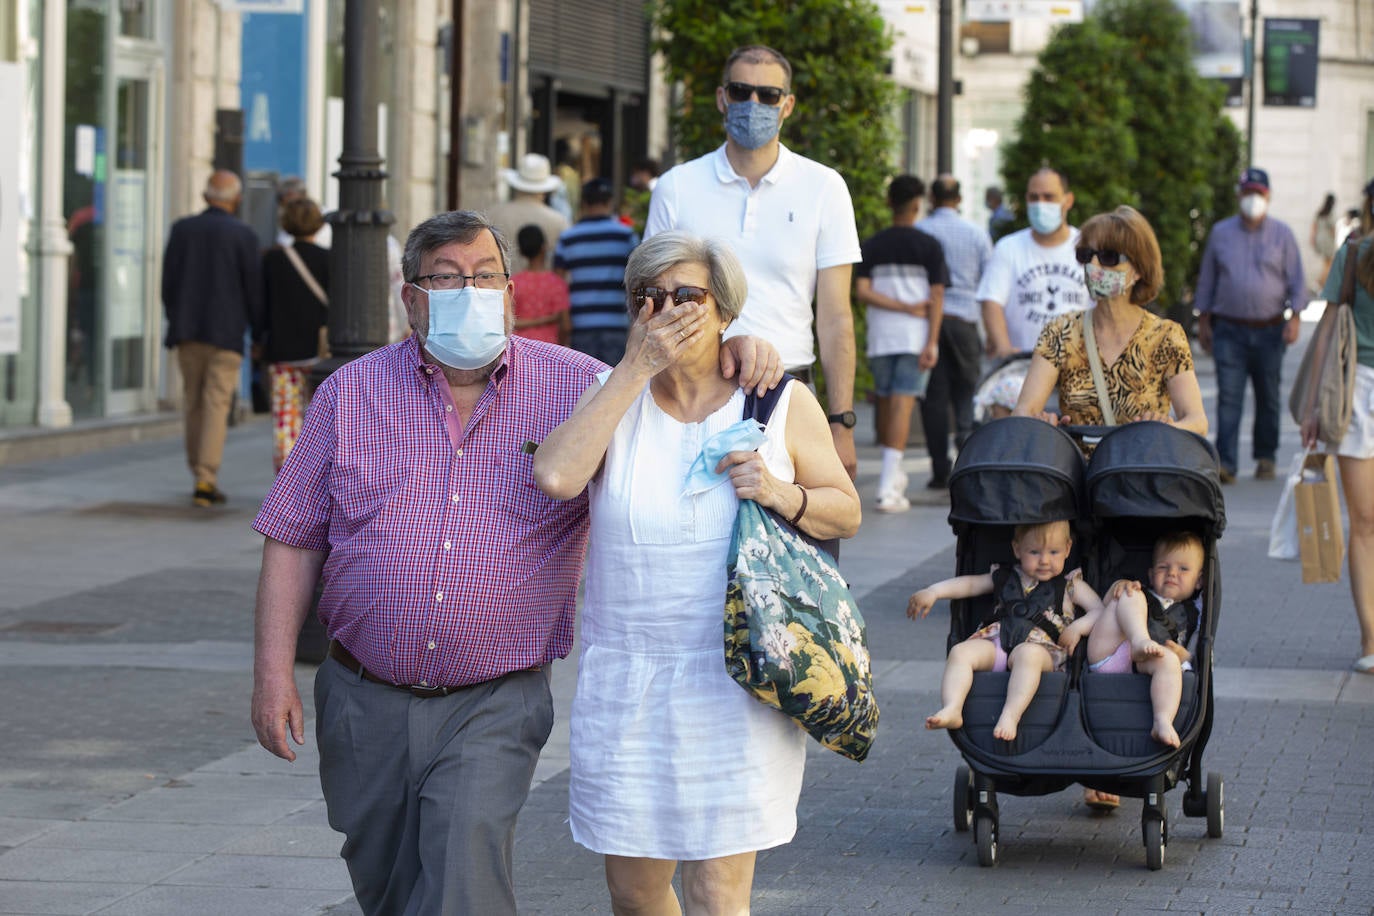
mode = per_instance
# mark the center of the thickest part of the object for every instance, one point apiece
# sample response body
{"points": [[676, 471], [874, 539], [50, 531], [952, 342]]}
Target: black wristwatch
{"points": [[845, 419]]}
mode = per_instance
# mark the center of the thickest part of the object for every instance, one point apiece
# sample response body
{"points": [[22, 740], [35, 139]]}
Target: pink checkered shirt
{"points": [[447, 565]]}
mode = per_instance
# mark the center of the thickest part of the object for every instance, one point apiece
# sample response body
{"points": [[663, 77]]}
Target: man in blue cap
{"points": [[1249, 295]]}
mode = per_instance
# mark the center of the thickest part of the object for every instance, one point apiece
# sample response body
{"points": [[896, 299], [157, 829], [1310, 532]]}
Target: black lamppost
{"points": [[944, 111], [359, 282]]}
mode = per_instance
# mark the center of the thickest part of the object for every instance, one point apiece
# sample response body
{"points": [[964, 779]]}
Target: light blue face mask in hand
{"points": [[744, 436]]}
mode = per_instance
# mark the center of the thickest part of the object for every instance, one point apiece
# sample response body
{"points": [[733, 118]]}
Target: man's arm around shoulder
{"points": [[286, 589]]}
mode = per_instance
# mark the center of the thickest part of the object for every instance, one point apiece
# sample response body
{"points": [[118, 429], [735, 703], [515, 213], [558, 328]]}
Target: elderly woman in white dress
{"points": [[671, 760]]}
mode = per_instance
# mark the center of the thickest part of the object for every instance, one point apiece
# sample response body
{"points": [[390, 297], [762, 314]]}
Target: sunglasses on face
{"points": [[740, 92], [680, 295], [1105, 256]]}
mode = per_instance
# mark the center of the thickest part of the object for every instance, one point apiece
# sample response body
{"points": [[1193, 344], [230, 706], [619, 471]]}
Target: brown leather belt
{"points": [[1252, 322], [345, 658]]}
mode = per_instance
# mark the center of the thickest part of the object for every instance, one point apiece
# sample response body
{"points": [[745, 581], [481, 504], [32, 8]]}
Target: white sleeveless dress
{"points": [[671, 759]]}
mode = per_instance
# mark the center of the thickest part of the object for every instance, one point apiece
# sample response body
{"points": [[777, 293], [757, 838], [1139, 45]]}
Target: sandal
{"points": [[1100, 801], [1365, 665]]}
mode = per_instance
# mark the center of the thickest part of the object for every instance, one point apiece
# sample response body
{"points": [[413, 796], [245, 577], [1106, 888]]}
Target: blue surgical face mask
{"points": [[467, 327], [752, 124], [1045, 217], [741, 436]]}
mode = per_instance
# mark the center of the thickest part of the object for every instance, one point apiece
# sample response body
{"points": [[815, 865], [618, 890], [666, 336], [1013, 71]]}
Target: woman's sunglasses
{"points": [[1105, 256], [680, 295], [740, 92]]}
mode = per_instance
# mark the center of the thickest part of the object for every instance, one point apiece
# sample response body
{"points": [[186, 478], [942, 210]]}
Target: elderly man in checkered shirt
{"points": [[449, 579]]}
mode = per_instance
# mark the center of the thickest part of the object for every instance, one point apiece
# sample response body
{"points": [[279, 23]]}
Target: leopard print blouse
{"points": [[1137, 383]]}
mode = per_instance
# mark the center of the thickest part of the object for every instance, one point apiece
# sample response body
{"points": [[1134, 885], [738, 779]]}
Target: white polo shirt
{"points": [[799, 220]]}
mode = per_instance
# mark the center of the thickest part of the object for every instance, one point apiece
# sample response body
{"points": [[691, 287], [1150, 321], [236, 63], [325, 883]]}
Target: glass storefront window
{"points": [[126, 286], [136, 18], [84, 203]]}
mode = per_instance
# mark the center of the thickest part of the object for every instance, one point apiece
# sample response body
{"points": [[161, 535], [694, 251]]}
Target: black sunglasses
{"points": [[680, 295], [1105, 256], [740, 92]]}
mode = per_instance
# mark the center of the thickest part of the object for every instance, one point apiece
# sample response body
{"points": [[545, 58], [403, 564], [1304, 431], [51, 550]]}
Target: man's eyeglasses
{"points": [[740, 92], [487, 279], [1105, 256], [680, 295]]}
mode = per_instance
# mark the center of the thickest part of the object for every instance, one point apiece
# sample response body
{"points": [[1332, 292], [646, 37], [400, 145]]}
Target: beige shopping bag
{"points": [[1321, 537]]}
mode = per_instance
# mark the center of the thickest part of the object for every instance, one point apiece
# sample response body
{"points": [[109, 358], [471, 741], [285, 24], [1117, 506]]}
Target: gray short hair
{"points": [[223, 186], [667, 250], [460, 226]]}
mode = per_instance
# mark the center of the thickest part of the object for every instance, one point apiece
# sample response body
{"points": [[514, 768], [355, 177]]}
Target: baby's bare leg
{"points": [[1130, 616], [1166, 690], [1105, 635], [1027, 662], [965, 658]]}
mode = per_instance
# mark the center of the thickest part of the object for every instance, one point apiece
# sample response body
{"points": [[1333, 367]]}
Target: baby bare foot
{"points": [[1164, 733], [1146, 649], [946, 718], [1006, 728]]}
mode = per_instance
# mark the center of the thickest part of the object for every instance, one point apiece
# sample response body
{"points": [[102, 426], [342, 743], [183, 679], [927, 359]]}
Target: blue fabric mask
{"points": [[467, 327], [1045, 217], [752, 124], [744, 436]]}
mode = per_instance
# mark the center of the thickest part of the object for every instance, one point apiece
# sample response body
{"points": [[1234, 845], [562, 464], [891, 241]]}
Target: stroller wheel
{"points": [[1156, 837], [963, 799], [985, 835], [1216, 805]]}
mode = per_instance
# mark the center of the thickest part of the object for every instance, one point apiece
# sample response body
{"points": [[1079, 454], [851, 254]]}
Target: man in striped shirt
{"points": [[449, 579], [591, 256]]}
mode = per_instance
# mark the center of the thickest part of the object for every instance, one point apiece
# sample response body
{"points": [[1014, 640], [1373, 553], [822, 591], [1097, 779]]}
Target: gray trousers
{"points": [[426, 791]]}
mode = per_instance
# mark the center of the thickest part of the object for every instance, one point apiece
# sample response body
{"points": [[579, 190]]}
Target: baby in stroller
{"points": [[1033, 629], [1149, 628]]}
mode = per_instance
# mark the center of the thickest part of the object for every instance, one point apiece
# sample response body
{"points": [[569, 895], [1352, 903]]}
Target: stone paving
{"points": [[130, 782]]}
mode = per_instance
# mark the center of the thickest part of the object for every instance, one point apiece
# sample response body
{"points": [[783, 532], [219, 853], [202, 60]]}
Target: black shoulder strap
{"points": [[760, 407]]}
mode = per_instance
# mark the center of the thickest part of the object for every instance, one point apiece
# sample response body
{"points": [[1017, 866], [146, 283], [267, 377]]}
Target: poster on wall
{"points": [[1218, 43], [1007, 10], [11, 100], [262, 6], [126, 280], [1290, 62]]}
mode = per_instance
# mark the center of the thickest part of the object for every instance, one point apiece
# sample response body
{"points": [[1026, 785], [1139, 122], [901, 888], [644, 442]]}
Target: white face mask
{"points": [[1253, 206]]}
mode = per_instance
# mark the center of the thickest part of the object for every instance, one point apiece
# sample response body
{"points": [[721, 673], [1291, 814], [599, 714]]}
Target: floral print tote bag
{"points": [[794, 637]]}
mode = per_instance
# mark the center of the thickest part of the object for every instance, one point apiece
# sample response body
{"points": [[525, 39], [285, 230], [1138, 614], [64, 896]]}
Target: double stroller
{"points": [[1144, 479]]}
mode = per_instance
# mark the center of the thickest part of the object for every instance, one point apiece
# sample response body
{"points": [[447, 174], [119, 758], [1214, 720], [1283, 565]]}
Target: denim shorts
{"points": [[898, 374], [1359, 438]]}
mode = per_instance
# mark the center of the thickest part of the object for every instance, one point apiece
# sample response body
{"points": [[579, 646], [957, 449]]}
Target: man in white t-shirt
{"points": [[789, 219], [1033, 276]]}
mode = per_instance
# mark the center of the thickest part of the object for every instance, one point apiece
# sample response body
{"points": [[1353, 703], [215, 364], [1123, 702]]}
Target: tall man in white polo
{"points": [[789, 219]]}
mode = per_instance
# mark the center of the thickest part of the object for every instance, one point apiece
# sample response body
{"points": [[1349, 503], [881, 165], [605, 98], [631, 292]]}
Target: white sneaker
{"points": [[893, 502], [892, 498]]}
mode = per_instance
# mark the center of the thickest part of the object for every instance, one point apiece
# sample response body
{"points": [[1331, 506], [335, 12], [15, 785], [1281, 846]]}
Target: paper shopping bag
{"points": [[1321, 538]]}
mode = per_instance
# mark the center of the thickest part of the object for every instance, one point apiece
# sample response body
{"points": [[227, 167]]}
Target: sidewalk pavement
{"points": [[130, 782]]}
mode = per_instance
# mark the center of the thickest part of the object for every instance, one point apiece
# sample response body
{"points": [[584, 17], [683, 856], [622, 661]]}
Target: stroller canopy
{"points": [[1016, 471], [1155, 470]]}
